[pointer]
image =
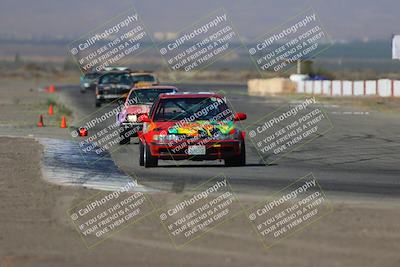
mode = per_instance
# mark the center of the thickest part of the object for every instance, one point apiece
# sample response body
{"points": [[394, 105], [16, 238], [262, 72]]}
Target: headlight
{"points": [[86, 84], [131, 118]]}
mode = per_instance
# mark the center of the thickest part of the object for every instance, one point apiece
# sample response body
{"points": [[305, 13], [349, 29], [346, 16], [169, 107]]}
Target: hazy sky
{"points": [[343, 19]]}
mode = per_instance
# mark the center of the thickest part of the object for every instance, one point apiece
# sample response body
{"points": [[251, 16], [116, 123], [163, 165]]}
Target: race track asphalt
{"points": [[358, 157]]}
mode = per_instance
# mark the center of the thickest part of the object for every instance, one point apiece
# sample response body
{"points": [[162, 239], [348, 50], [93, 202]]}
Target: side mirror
{"points": [[240, 117], [144, 118]]}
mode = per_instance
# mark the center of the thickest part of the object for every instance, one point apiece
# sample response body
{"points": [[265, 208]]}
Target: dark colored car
{"points": [[88, 81], [191, 127], [115, 85]]}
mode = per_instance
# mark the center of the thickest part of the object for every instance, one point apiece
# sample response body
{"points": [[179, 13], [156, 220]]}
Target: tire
{"points": [[148, 159], [239, 160], [123, 139], [141, 154], [83, 91], [98, 103]]}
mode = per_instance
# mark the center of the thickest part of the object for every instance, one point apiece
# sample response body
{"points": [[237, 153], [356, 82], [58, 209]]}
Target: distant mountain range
{"points": [[343, 19], [380, 49]]}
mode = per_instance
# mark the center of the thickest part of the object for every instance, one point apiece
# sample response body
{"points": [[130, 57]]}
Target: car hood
{"points": [[132, 109], [137, 109]]}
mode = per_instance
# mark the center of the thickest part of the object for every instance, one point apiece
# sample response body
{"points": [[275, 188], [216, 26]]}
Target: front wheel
{"points": [[239, 160], [124, 140], [124, 137], [148, 159], [98, 103], [141, 154]]}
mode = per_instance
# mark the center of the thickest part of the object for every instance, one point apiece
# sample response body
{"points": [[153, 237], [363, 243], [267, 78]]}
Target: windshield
{"points": [[192, 109], [91, 76], [117, 78], [144, 96], [144, 78]]}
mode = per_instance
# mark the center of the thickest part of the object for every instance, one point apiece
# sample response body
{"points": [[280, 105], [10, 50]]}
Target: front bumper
{"points": [[112, 94], [109, 96], [218, 149]]}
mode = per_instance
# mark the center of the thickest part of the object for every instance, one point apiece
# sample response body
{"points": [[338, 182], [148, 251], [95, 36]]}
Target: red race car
{"points": [[191, 126], [137, 103]]}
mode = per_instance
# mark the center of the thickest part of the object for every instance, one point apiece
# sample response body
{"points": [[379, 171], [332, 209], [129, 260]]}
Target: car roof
{"points": [[125, 72], [93, 72], [156, 87], [133, 73], [116, 72], [116, 68], [189, 95]]}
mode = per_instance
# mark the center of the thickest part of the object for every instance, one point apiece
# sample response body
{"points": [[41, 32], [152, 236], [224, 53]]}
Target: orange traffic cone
{"points": [[40, 123], [63, 122], [51, 112], [52, 88]]}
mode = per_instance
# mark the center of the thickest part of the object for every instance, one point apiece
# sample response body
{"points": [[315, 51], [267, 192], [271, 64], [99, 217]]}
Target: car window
{"points": [[91, 76], [144, 78], [116, 78], [143, 96], [191, 109]]}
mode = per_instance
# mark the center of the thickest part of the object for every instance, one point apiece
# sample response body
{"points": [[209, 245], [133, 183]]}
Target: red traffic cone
{"points": [[51, 112], [63, 122], [52, 88], [40, 123]]}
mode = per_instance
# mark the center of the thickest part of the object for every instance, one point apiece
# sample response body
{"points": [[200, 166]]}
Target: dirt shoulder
{"points": [[22, 102]]}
